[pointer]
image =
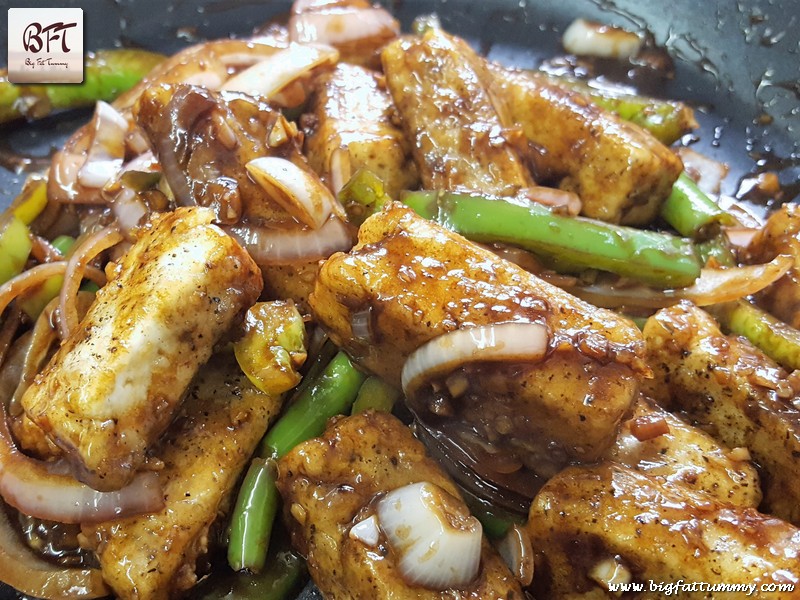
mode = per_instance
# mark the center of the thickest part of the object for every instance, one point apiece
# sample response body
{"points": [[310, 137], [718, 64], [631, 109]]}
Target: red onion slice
{"points": [[73, 274], [301, 193], [269, 76], [32, 575], [107, 148], [714, 286], [340, 25], [29, 486], [497, 342], [29, 279], [277, 246]]}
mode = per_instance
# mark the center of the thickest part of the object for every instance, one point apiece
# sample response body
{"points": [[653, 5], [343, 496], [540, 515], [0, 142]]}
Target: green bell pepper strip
{"points": [[331, 394], [570, 243], [107, 73]]}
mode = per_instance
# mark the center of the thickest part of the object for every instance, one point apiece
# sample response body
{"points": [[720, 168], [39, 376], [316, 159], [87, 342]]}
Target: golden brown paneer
{"points": [[685, 455], [620, 171], [203, 452], [204, 139], [457, 138], [413, 281], [330, 483], [350, 127], [734, 392], [587, 521], [115, 384], [781, 235]]}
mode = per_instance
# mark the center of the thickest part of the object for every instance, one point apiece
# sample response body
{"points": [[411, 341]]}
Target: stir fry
{"points": [[339, 302]]}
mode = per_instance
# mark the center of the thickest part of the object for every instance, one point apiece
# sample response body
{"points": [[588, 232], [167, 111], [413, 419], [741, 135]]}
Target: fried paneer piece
{"points": [[781, 235], [659, 531], [415, 280], [204, 451], [329, 483], [203, 140], [734, 392], [351, 128], [687, 456], [115, 384], [456, 135], [620, 171]]}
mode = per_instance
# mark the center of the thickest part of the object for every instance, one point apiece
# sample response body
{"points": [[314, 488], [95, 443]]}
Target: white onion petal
{"points": [[714, 286], [707, 173], [342, 25], [107, 148], [277, 246], [366, 531], [300, 192], [741, 236], [269, 76], [436, 541], [593, 39], [497, 342]]}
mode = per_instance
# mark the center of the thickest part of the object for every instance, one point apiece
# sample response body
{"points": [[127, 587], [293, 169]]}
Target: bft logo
{"points": [[45, 45], [32, 36]]}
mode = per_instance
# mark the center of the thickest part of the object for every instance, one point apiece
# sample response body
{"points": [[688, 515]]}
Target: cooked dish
{"points": [[342, 302]]}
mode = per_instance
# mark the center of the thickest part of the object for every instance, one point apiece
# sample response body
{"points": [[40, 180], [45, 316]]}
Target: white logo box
{"points": [[45, 45]]}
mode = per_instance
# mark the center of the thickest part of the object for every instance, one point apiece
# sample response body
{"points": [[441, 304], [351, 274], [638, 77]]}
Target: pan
{"points": [[736, 63]]}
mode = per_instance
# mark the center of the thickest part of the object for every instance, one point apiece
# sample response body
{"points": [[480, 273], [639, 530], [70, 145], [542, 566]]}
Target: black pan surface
{"points": [[737, 62]]}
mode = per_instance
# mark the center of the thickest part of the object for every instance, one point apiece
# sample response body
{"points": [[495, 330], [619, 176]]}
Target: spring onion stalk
{"points": [[667, 120], [33, 304], [363, 195], [332, 393], [569, 243], [32, 200], [375, 394], [15, 247], [691, 212], [63, 243], [107, 73], [779, 341]]}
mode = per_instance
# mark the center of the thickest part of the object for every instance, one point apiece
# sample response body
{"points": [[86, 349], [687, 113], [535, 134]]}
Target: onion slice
{"points": [[497, 342], [714, 286], [436, 540], [300, 192], [28, 574], [269, 76], [340, 25], [78, 261], [107, 148], [279, 246], [740, 237], [29, 279], [30, 486], [595, 39], [706, 172]]}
